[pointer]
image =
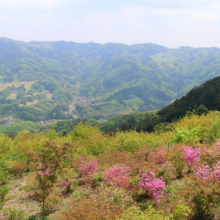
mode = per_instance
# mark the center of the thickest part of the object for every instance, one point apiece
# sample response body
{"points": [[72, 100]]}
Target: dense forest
{"points": [[98, 81]]}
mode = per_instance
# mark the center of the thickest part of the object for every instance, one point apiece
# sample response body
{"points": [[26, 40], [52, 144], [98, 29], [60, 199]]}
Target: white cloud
{"points": [[37, 4]]}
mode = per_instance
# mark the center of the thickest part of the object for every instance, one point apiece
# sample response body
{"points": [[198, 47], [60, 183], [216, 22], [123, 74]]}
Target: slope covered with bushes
{"points": [[86, 174]]}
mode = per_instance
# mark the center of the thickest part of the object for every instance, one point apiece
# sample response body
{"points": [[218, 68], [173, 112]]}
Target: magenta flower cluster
{"points": [[208, 173], [42, 170], [66, 182], [203, 172], [191, 155], [158, 156], [88, 168], [216, 171], [118, 175], [152, 185]]}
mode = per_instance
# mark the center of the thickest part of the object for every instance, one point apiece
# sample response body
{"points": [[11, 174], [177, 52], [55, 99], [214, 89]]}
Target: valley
{"points": [[94, 80]]}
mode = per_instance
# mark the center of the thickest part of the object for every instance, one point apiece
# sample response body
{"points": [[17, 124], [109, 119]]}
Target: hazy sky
{"points": [[170, 23]]}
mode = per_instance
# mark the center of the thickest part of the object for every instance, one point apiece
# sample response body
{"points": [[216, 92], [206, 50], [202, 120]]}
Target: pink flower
{"points": [[191, 155], [203, 172], [152, 185], [118, 175], [88, 168], [40, 172], [216, 171]]}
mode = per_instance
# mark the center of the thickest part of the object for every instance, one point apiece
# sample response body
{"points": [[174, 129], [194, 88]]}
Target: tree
{"points": [[46, 165]]}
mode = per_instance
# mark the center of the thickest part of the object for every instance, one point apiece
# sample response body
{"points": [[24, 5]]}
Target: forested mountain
{"points": [[203, 98], [54, 80]]}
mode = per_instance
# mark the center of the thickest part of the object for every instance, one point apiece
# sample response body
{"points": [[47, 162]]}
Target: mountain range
{"points": [[61, 80]]}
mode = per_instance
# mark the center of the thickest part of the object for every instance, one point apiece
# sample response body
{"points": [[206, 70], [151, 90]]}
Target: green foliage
{"points": [[181, 212], [213, 132], [13, 214], [150, 213], [3, 192], [46, 164], [184, 135], [201, 110], [120, 79]]}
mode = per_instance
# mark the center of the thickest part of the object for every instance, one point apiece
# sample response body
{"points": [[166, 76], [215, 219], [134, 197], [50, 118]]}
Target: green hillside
{"points": [[202, 98], [56, 80]]}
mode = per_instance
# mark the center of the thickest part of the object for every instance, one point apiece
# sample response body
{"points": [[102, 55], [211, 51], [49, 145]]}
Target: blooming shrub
{"points": [[216, 171], [208, 173], [203, 172], [67, 184], [191, 155], [118, 175], [152, 185], [88, 168], [158, 156]]}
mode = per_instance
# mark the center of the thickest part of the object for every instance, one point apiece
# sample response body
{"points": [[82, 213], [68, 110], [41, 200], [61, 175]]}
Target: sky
{"points": [[170, 23]]}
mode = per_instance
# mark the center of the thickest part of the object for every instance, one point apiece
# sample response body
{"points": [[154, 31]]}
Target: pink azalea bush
{"points": [[66, 183], [208, 173], [190, 155], [216, 171], [118, 175], [88, 168], [152, 185], [158, 156], [203, 172]]}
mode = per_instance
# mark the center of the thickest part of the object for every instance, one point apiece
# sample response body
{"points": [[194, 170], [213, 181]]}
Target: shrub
{"points": [[3, 192], [67, 184], [158, 156], [88, 168], [3, 176], [19, 168], [52, 203], [202, 196], [118, 175], [134, 213], [47, 164], [13, 214], [203, 172], [184, 135], [210, 153], [175, 157], [181, 212], [152, 185], [102, 203], [190, 155], [167, 171]]}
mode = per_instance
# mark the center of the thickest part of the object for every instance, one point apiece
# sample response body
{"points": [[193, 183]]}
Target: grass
{"points": [[49, 95], [28, 85], [32, 103], [13, 96]]}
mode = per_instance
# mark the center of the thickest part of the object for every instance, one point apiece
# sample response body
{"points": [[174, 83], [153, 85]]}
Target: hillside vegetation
{"points": [[129, 175], [94, 80]]}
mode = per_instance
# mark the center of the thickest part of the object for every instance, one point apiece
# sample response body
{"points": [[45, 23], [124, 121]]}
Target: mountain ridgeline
{"points": [[56, 80]]}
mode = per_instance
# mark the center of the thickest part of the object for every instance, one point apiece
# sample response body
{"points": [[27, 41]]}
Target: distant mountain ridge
{"points": [[98, 81]]}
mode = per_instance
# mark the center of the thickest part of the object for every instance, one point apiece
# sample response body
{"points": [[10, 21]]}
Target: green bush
{"points": [[14, 214], [184, 135], [134, 213], [213, 133], [3, 192]]}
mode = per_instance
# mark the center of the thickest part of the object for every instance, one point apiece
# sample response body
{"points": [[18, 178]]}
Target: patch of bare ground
{"points": [[18, 198]]}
